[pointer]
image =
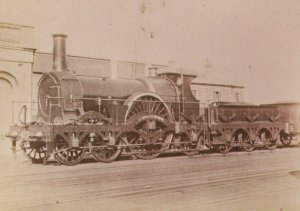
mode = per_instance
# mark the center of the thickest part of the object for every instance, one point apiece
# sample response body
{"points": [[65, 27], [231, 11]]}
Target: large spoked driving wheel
{"points": [[149, 117], [149, 105], [149, 137], [142, 149], [67, 155], [36, 150], [103, 152]]}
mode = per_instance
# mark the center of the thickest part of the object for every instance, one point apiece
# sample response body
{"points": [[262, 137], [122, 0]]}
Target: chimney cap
{"points": [[59, 35], [152, 71]]}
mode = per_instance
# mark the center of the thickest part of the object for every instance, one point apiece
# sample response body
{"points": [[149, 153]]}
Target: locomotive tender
{"points": [[143, 117]]}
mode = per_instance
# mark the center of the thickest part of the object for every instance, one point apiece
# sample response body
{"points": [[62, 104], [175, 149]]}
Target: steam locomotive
{"points": [[104, 117]]}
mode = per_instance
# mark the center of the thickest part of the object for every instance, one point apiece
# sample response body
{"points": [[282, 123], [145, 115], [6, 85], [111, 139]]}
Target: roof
{"points": [[214, 84], [183, 71], [14, 25], [284, 102], [214, 79], [43, 63], [238, 104]]}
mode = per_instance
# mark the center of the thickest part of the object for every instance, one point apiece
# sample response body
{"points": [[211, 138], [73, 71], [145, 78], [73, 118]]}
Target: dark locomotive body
{"points": [[142, 117]]}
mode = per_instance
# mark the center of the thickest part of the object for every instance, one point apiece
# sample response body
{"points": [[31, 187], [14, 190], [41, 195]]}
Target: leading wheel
{"points": [[67, 155], [36, 150]]}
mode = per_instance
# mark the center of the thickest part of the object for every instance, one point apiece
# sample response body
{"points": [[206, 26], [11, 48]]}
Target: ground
{"points": [[260, 180]]}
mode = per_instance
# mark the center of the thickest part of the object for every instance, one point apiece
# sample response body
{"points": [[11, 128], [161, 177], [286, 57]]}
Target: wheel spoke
{"points": [[30, 152], [104, 153], [151, 103], [68, 156], [161, 110], [157, 105]]}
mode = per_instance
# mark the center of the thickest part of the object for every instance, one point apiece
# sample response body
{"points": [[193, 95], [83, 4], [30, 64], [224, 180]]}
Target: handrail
{"points": [[24, 107], [121, 100]]}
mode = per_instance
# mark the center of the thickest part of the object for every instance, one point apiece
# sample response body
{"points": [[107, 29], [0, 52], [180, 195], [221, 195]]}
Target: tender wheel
{"points": [[266, 136], [188, 146], [104, 152], [36, 151], [285, 139], [67, 155], [242, 138], [224, 148], [249, 146], [271, 144]]}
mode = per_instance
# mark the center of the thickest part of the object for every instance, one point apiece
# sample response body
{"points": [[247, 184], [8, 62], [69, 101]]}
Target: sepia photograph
{"points": [[142, 105]]}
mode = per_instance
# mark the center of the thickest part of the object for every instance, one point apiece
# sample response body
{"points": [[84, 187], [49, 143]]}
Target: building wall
{"points": [[129, 70], [16, 58], [208, 93]]}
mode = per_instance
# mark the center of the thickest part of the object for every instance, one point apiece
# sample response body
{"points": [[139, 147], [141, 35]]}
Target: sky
{"points": [[252, 43]]}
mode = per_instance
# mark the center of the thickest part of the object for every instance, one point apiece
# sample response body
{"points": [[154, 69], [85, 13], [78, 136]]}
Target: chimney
{"points": [[152, 71], [59, 53]]}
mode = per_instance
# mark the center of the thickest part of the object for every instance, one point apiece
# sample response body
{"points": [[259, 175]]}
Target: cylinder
{"points": [[59, 53]]}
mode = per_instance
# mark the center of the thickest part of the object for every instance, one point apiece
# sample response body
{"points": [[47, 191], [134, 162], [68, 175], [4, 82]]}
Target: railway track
{"points": [[171, 182]]}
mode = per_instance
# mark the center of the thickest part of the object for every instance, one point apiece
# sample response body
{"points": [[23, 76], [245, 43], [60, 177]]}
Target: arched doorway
{"points": [[5, 105], [7, 85]]}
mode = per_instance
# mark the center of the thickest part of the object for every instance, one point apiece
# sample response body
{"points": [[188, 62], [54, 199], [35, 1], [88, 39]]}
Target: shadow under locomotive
{"points": [[106, 117]]}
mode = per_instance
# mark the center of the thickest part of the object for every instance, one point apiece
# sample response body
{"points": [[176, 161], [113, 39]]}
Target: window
{"points": [[194, 93], [217, 96], [237, 97]]}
